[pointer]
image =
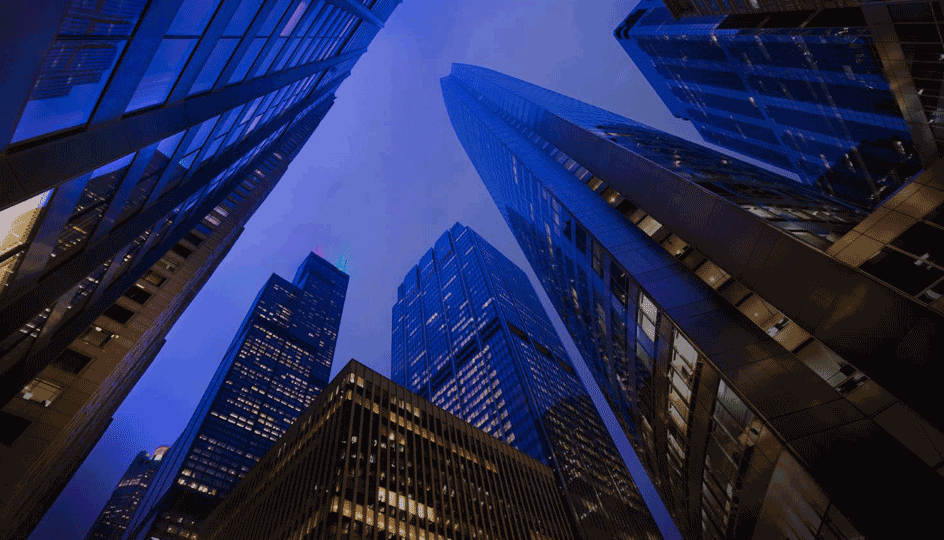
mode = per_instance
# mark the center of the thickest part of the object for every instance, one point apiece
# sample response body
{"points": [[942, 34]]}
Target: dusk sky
{"points": [[380, 180]]}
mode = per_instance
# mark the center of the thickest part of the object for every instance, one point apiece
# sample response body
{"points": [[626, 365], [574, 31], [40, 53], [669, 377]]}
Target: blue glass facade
{"points": [[113, 520], [278, 362], [470, 335], [139, 118], [724, 398], [814, 100]]}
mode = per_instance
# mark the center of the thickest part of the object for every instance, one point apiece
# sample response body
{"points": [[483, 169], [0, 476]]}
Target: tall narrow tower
{"points": [[113, 520], [278, 362], [470, 335]]}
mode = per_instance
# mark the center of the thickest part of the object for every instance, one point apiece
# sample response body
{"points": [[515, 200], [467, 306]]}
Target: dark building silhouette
{"points": [[749, 368], [278, 362], [470, 335], [132, 131], [370, 459], [113, 520]]}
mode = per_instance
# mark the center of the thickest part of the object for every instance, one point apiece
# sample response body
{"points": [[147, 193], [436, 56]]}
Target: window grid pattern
{"points": [[812, 100], [519, 367], [371, 460], [653, 400]]}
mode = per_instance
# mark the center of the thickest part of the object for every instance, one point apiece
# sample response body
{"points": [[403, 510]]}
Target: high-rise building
{"points": [[56, 420], [113, 520], [751, 371], [803, 90], [277, 364], [470, 335], [130, 126], [370, 459]]}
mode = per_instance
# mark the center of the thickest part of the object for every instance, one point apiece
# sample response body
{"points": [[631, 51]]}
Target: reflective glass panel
{"points": [[162, 73], [69, 84], [244, 14], [193, 17], [246, 61], [17, 221], [214, 65]]}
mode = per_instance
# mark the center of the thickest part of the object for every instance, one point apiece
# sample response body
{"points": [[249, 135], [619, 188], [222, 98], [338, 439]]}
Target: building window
{"points": [[11, 427], [118, 314], [162, 73], [69, 84], [138, 294], [193, 239], [97, 336], [181, 250], [154, 278], [42, 391], [166, 266], [71, 361]]}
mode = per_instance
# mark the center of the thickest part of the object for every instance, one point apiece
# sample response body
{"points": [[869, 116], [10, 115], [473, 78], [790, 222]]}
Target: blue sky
{"points": [[381, 179]]}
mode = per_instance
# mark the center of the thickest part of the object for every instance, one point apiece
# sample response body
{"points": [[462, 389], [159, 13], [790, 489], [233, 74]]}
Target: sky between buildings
{"points": [[379, 181]]}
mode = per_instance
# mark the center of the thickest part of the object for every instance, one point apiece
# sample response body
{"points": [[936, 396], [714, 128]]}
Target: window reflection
{"points": [[71, 80], [162, 73]]}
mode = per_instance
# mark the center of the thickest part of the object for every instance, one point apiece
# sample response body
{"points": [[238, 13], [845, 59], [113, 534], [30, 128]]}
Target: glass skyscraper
{"points": [[131, 131], [89, 379], [713, 334], [113, 520], [278, 363], [471, 336], [126, 123], [802, 90]]}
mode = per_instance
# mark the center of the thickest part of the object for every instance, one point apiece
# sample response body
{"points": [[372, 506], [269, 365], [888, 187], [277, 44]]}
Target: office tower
{"points": [[45, 443], [769, 389], [802, 90], [470, 335], [276, 365], [113, 520], [130, 124], [692, 8], [374, 459]]}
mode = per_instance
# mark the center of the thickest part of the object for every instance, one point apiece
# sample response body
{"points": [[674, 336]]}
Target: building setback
{"points": [[277, 364], [45, 443], [694, 315], [369, 459], [470, 335], [113, 520]]}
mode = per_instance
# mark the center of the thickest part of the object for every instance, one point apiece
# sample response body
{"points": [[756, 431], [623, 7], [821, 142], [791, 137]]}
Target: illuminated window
{"points": [[41, 391]]}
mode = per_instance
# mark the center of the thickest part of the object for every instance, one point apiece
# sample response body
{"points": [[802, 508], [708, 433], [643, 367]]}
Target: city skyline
{"points": [[414, 36], [278, 363], [381, 182]]}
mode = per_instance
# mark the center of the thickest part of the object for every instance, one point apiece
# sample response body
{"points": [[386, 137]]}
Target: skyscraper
{"points": [[58, 417], [113, 520], [276, 365], [803, 90], [713, 334], [470, 335], [371, 458], [128, 126]]}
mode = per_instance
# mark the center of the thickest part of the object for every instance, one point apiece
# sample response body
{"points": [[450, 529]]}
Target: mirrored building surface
{"points": [[699, 322], [803, 90], [470, 334], [372, 460], [133, 131], [278, 363]]}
